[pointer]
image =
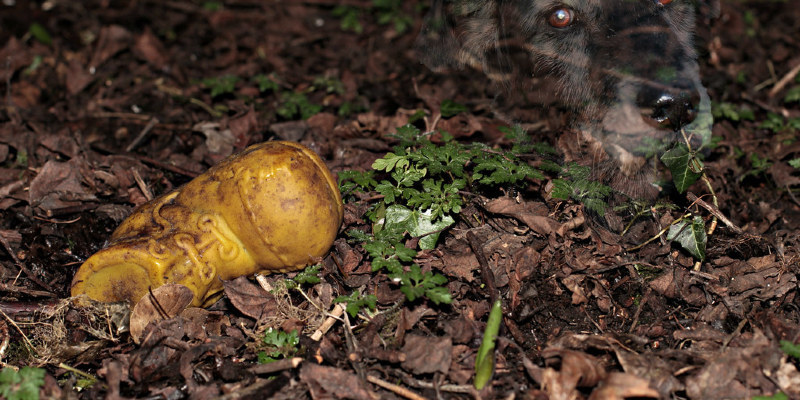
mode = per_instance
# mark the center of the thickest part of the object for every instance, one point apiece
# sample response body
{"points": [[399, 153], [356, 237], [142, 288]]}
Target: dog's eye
{"points": [[563, 17], [663, 2]]}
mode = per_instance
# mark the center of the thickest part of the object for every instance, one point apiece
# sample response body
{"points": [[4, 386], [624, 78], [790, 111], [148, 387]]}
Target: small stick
{"points": [[784, 81], [275, 366], [142, 186], [334, 316], [486, 273], [396, 389], [147, 128], [714, 210]]}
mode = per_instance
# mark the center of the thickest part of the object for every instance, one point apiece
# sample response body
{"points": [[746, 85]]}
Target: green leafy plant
{"points": [[386, 12], [293, 105], [221, 85], [349, 18], [731, 112], [415, 284], [421, 186], [777, 123], [265, 83], [450, 108], [758, 166], [277, 344], [330, 84], [792, 95], [306, 276], [213, 6], [21, 385], [355, 302], [790, 349], [575, 183]]}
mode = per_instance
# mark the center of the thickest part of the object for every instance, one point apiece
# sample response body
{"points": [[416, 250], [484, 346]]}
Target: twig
{"points": [[147, 128], [275, 366], [658, 235], [784, 81], [77, 372], [445, 388], [142, 186], [396, 389], [714, 210], [486, 273], [24, 337], [335, 315]]}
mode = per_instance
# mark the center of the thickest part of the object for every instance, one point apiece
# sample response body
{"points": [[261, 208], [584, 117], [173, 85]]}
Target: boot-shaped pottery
{"points": [[274, 207]]}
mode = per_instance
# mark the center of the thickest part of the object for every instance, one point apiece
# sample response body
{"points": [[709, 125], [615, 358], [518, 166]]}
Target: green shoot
{"points": [[484, 360]]}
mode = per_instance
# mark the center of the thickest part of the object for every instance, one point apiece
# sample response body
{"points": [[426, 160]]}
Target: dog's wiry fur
{"points": [[627, 68]]}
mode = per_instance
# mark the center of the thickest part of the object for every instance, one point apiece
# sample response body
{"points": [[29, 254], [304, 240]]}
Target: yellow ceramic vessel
{"points": [[274, 207]]}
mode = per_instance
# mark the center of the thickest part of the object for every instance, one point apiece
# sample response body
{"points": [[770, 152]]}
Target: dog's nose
{"points": [[670, 108]]}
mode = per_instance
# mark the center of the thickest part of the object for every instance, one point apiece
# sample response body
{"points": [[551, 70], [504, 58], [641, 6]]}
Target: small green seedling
{"points": [[355, 302], [575, 183], [293, 105], [221, 85], [277, 345], [306, 276]]}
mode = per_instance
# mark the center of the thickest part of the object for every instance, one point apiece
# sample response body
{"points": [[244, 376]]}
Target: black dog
{"points": [[626, 67]]}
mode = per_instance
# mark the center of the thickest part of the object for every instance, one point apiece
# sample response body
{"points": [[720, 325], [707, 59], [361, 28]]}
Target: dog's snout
{"points": [[670, 109]]}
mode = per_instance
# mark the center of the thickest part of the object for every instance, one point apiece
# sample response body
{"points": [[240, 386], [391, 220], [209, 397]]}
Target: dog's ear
{"points": [[436, 45]]}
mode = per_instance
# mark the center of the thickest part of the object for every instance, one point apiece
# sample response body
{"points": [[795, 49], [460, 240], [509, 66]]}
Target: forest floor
{"points": [[107, 104]]}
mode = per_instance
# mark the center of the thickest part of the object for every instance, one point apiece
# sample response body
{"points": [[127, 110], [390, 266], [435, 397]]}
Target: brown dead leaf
{"points": [[15, 55], [201, 323], [533, 214], [621, 386], [578, 368], [242, 128], [58, 185], [249, 298], [219, 140], [650, 366], [149, 48], [730, 374], [161, 303], [332, 383], [426, 354], [76, 77], [111, 40]]}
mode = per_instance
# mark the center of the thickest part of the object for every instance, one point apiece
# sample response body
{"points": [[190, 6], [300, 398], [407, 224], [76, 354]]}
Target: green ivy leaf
{"points": [[691, 236], [679, 161]]}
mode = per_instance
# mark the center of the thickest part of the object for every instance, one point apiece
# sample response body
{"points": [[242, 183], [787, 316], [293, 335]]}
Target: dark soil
{"points": [[105, 107]]}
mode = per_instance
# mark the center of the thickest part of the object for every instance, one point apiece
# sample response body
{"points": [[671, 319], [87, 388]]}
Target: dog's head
{"points": [[627, 67]]}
